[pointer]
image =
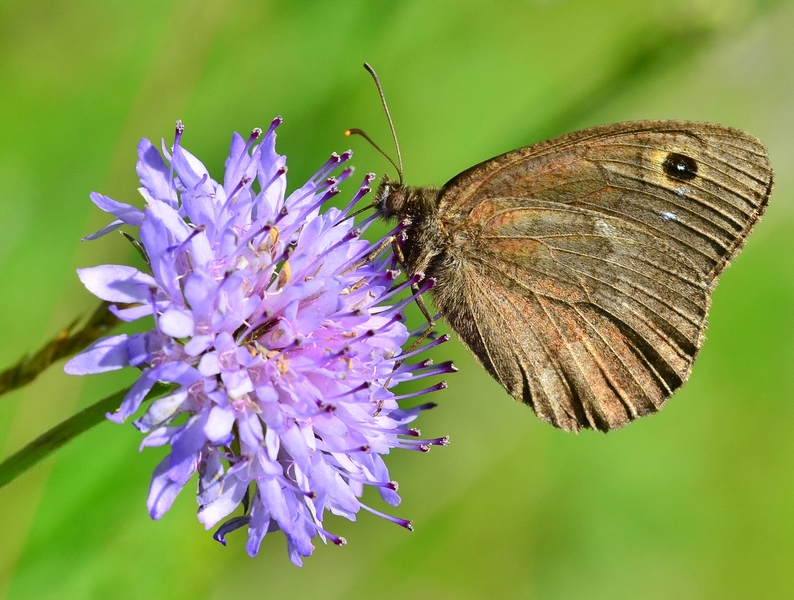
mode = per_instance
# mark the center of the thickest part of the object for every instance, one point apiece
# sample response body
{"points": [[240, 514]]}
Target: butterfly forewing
{"points": [[580, 269]]}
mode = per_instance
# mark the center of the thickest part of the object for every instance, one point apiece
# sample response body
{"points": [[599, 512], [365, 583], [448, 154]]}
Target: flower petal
{"points": [[229, 499], [176, 322], [107, 354], [163, 410], [104, 231], [189, 169], [162, 491], [154, 174], [219, 424], [186, 445], [117, 283], [259, 525], [125, 212], [175, 372]]}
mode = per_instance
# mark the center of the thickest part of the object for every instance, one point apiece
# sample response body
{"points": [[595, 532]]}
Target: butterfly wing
{"points": [[580, 269]]}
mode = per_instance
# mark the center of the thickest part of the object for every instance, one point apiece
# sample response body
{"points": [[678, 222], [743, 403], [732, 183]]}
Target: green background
{"points": [[696, 502]]}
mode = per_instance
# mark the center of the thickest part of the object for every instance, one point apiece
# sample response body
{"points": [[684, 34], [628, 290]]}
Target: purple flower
{"points": [[269, 319]]}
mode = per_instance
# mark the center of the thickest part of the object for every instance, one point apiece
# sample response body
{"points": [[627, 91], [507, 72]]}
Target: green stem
{"points": [[49, 442], [66, 343]]}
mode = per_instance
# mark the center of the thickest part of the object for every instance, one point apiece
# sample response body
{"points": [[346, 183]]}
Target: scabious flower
{"points": [[270, 322]]}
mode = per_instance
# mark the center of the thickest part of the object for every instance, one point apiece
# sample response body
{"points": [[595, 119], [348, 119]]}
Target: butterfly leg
{"points": [[372, 255], [431, 322], [392, 239], [420, 302]]}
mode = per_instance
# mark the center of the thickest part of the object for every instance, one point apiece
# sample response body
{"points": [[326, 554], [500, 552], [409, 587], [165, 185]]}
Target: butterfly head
{"points": [[394, 200], [390, 199]]}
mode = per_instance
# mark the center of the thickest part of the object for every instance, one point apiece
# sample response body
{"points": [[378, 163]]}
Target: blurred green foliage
{"points": [[696, 502]]}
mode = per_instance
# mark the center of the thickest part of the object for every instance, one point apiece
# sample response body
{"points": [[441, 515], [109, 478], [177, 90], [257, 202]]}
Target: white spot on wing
{"points": [[604, 228], [669, 216]]}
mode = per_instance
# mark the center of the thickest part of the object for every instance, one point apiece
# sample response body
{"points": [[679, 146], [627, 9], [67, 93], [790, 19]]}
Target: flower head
{"points": [[269, 319]]}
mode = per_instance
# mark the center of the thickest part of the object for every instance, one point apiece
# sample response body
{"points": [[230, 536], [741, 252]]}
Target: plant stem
{"points": [[48, 442]]}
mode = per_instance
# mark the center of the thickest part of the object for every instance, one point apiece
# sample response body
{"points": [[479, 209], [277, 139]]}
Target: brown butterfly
{"points": [[579, 270]]}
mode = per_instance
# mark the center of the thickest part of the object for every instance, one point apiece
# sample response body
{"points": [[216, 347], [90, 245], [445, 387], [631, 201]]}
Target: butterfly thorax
{"points": [[423, 238]]}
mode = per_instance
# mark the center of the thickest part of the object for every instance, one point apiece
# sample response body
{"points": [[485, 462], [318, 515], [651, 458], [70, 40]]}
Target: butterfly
{"points": [[579, 270]]}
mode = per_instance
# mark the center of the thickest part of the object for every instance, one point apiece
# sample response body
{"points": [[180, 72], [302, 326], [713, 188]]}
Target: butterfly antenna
{"points": [[361, 132], [388, 116]]}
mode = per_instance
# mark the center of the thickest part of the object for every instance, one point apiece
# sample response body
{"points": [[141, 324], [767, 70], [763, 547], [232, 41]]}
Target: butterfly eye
{"points": [[680, 166], [393, 200]]}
